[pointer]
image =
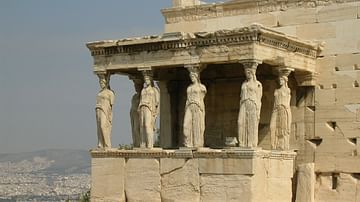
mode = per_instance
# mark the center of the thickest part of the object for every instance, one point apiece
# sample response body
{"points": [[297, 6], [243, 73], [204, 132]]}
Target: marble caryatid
{"points": [[280, 122], [104, 103], [134, 114], [250, 105], [194, 119], [148, 111]]}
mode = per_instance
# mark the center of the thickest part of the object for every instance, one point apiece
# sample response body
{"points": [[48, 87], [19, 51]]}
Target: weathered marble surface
{"points": [[250, 105], [305, 189], [194, 119], [108, 179], [280, 122], [148, 111], [180, 183], [175, 175], [325, 103], [142, 180], [104, 102]]}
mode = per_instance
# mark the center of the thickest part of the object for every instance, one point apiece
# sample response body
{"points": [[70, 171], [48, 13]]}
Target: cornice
{"points": [[236, 153], [187, 41], [240, 7]]}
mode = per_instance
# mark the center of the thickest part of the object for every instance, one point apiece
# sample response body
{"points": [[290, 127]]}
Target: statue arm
{"points": [[289, 110], [157, 100], [242, 93], [112, 98], [203, 89], [259, 99]]}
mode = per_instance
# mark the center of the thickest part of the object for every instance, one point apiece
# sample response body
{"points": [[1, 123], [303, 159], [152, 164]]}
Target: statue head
{"points": [[194, 73], [103, 81], [283, 80], [194, 77], [283, 76], [148, 80], [250, 73]]}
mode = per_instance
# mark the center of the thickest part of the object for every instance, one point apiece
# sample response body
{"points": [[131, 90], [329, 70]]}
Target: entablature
{"points": [[223, 46]]}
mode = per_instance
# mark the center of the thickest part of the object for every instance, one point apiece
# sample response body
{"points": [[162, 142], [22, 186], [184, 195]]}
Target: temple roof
{"points": [[179, 40], [254, 42]]}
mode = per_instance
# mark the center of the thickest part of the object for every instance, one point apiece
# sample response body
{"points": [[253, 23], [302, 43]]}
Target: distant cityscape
{"points": [[43, 176]]}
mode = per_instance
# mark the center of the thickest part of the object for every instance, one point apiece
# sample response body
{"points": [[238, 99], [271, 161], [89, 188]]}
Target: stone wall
{"points": [[327, 117], [186, 175]]}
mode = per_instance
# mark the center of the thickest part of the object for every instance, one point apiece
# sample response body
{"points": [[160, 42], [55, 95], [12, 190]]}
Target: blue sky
{"points": [[47, 86]]}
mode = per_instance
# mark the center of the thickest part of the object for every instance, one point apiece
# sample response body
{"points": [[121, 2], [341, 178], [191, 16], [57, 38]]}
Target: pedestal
{"points": [[247, 175]]}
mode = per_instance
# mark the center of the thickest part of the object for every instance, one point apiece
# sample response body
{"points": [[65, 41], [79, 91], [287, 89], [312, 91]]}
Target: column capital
{"points": [[144, 68], [98, 73], [195, 67], [250, 63], [103, 75], [284, 71], [146, 71]]}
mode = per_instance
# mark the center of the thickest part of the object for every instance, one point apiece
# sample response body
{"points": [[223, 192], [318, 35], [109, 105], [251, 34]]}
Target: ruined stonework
{"points": [[301, 99]]}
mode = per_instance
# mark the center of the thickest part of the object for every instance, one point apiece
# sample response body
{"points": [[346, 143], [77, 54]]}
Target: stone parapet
{"points": [[195, 12], [189, 153], [191, 175]]}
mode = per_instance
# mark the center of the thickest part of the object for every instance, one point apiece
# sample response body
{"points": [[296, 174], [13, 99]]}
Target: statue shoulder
{"points": [[157, 90], [202, 86], [259, 84]]}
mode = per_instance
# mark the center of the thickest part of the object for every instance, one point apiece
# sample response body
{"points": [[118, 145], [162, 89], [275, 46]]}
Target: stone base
{"points": [[192, 175]]}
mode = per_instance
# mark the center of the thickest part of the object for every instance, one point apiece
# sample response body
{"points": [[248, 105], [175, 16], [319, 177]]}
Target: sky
{"points": [[47, 85]]}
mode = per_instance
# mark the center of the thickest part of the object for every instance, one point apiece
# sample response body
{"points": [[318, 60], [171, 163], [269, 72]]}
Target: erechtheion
{"points": [[257, 101]]}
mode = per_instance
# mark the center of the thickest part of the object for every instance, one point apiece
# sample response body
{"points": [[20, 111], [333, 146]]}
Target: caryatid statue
{"points": [[104, 103], [280, 122], [194, 119], [250, 105], [134, 114], [148, 111]]}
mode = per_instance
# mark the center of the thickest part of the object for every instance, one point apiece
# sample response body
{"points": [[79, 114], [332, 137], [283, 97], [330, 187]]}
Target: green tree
{"points": [[85, 197]]}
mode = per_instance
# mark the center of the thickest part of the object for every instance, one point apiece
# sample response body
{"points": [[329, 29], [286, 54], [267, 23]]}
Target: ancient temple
{"points": [[246, 93]]}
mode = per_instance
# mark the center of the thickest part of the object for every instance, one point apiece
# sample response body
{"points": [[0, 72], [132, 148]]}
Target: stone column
{"points": [[194, 118], [281, 118], [104, 103], [166, 126], [134, 114], [148, 110], [250, 106]]}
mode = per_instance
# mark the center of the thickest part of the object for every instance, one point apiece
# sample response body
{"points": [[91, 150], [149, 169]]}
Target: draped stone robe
{"points": [[249, 113], [280, 123], [194, 120], [148, 110], [104, 102]]}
